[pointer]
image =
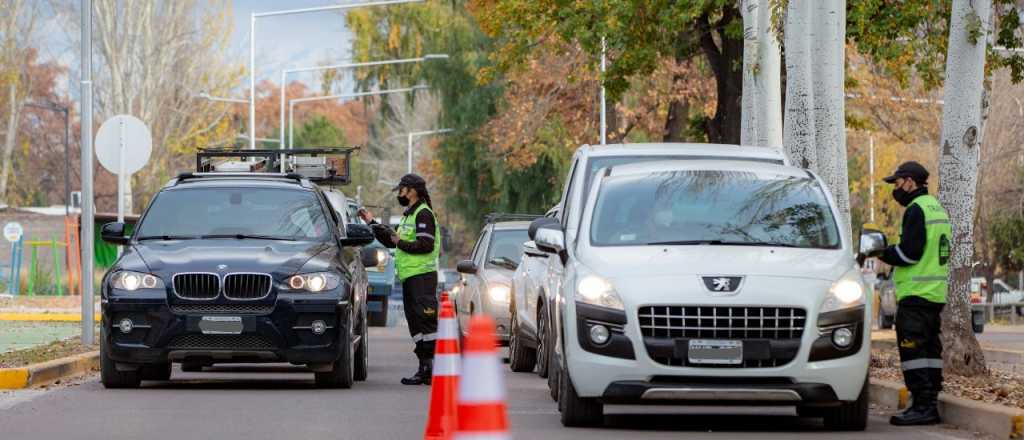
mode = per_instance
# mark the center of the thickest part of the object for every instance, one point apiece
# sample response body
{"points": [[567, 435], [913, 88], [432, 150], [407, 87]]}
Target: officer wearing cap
{"points": [[920, 274], [418, 245]]}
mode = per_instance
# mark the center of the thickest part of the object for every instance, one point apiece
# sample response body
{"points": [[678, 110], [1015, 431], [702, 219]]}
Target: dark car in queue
{"points": [[229, 268]]}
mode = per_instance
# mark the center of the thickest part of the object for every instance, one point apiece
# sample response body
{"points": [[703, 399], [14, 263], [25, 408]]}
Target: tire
{"points": [[554, 373], [342, 375], [543, 343], [849, 416], [521, 359], [161, 372], [362, 360], [379, 319], [577, 412], [109, 375], [886, 322]]}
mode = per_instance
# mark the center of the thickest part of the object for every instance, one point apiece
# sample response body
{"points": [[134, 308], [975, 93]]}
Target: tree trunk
{"points": [[768, 81], [958, 173], [10, 138], [678, 120], [724, 58], [830, 99], [748, 121], [799, 130]]}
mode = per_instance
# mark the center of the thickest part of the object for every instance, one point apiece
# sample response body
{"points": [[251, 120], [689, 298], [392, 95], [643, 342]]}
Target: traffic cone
{"points": [[482, 411], [445, 385]]}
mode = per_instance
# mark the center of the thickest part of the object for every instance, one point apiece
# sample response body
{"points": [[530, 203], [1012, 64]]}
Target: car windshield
{"points": [[713, 208], [596, 163], [268, 213], [506, 248]]}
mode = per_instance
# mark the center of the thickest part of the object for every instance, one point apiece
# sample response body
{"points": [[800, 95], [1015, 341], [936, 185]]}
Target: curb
{"points": [[49, 317], [1001, 422], [991, 354], [46, 373]]}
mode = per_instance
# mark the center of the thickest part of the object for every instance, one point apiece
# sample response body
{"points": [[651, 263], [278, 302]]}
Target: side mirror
{"points": [[357, 235], [550, 240], [543, 222], [370, 257], [113, 233], [872, 242], [530, 249], [467, 267]]}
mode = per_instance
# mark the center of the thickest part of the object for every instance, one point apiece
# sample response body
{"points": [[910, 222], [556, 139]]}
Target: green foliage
{"points": [[1007, 234], [319, 132]]}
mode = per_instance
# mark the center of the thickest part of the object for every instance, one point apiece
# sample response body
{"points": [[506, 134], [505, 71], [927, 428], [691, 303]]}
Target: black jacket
{"points": [[912, 236], [425, 229]]}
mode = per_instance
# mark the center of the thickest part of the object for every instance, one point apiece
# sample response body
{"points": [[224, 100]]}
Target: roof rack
{"points": [[497, 217], [330, 166]]}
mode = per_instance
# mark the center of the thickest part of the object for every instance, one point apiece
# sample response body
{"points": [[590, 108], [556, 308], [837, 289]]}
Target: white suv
{"points": [[709, 282]]}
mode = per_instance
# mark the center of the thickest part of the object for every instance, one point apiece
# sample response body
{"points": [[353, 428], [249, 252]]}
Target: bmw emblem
{"points": [[222, 267]]}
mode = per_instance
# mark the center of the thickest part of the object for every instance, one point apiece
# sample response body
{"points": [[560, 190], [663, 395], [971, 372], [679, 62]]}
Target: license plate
{"points": [[715, 352], [221, 325]]}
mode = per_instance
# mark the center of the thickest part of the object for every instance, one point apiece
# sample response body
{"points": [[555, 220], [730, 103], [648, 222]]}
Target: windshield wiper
{"points": [[248, 236], [166, 237], [721, 243]]}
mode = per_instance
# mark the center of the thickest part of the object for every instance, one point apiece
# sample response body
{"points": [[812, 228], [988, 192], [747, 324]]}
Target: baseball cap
{"points": [[911, 170], [410, 181]]}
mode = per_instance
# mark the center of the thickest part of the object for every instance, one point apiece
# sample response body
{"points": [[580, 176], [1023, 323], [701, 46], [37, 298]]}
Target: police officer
{"points": [[920, 274], [418, 244]]}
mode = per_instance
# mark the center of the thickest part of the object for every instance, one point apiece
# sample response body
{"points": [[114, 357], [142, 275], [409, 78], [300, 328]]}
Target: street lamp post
{"points": [[67, 161], [252, 47], [207, 97], [409, 137], [291, 104], [286, 72]]}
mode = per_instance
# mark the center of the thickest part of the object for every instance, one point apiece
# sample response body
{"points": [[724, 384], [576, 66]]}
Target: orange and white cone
{"points": [[483, 414], [441, 420], [444, 296]]}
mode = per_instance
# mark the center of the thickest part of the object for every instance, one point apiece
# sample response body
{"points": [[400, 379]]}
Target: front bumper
{"points": [[626, 371], [501, 314], [281, 331]]}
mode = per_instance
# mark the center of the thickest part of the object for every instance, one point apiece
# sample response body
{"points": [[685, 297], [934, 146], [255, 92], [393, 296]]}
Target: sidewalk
{"points": [[1003, 346]]}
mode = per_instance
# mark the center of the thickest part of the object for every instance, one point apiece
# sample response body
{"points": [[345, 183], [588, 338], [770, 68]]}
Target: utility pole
{"points": [[87, 226], [871, 171], [604, 124]]}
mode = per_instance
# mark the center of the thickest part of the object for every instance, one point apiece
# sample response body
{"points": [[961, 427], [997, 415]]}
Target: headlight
{"points": [[382, 257], [499, 293], [597, 291], [846, 293], [132, 281], [314, 282]]}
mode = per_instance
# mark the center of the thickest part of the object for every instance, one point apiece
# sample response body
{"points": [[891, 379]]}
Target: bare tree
{"points": [[16, 31], [958, 173]]}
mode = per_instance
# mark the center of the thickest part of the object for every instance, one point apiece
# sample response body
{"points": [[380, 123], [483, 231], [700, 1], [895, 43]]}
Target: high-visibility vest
{"points": [[928, 278], [409, 265]]}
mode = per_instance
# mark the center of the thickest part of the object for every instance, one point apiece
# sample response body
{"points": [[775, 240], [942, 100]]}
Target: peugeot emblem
{"points": [[722, 284], [222, 267]]}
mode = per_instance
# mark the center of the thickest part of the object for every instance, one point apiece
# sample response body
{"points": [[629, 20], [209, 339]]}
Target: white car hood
{"points": [[751, 261]]}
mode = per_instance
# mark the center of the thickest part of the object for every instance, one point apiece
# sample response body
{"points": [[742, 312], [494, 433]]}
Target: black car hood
{"points": [[278, 258]]}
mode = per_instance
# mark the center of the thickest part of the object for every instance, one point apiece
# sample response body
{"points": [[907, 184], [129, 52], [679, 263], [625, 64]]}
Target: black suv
{"points": [[236, 267]]}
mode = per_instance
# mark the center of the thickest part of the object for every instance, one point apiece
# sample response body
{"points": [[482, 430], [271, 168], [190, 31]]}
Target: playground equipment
{"points": [[66, 259]]}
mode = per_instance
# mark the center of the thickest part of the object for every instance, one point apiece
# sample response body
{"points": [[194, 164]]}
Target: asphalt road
{"points": [[263, 402]]}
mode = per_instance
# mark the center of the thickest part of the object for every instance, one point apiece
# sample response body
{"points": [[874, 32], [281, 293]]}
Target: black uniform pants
{"points": [[419, 296], [918, 333]]}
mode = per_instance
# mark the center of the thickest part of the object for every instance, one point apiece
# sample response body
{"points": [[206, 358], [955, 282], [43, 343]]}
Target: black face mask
{"points": [[902, 197], [403, 200]]}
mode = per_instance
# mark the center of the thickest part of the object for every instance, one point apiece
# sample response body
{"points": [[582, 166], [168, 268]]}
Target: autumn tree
{"points": [[17, 28]]}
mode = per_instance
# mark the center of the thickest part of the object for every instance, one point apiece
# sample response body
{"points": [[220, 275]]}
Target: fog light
{"points": [[318, 327], [842, 337], [599, 334], [126, 325]]}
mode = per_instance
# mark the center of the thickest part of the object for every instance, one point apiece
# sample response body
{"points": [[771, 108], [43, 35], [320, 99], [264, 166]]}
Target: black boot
{"points": [[925, 411], [423, 375]]}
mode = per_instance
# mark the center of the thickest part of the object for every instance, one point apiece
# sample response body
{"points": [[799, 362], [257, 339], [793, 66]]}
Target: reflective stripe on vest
{"points": [[409, 265], [928, 278]]}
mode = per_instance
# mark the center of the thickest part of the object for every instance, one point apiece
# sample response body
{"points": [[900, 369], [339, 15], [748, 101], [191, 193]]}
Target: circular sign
{"points": [[13, 231], [127, 134]]}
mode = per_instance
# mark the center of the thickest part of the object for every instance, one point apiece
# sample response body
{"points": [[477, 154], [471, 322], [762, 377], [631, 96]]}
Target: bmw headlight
{"points": [[132, 281], [314, 282], [597, 291], [499, 293], [846, 293]]}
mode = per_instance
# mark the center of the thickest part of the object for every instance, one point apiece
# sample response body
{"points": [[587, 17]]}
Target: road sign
{"points": [[13, 231], [123, 146], [127, 134]]}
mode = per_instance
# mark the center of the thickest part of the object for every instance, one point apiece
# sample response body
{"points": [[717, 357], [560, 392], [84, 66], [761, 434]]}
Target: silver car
{"points": [[487, 277]]}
